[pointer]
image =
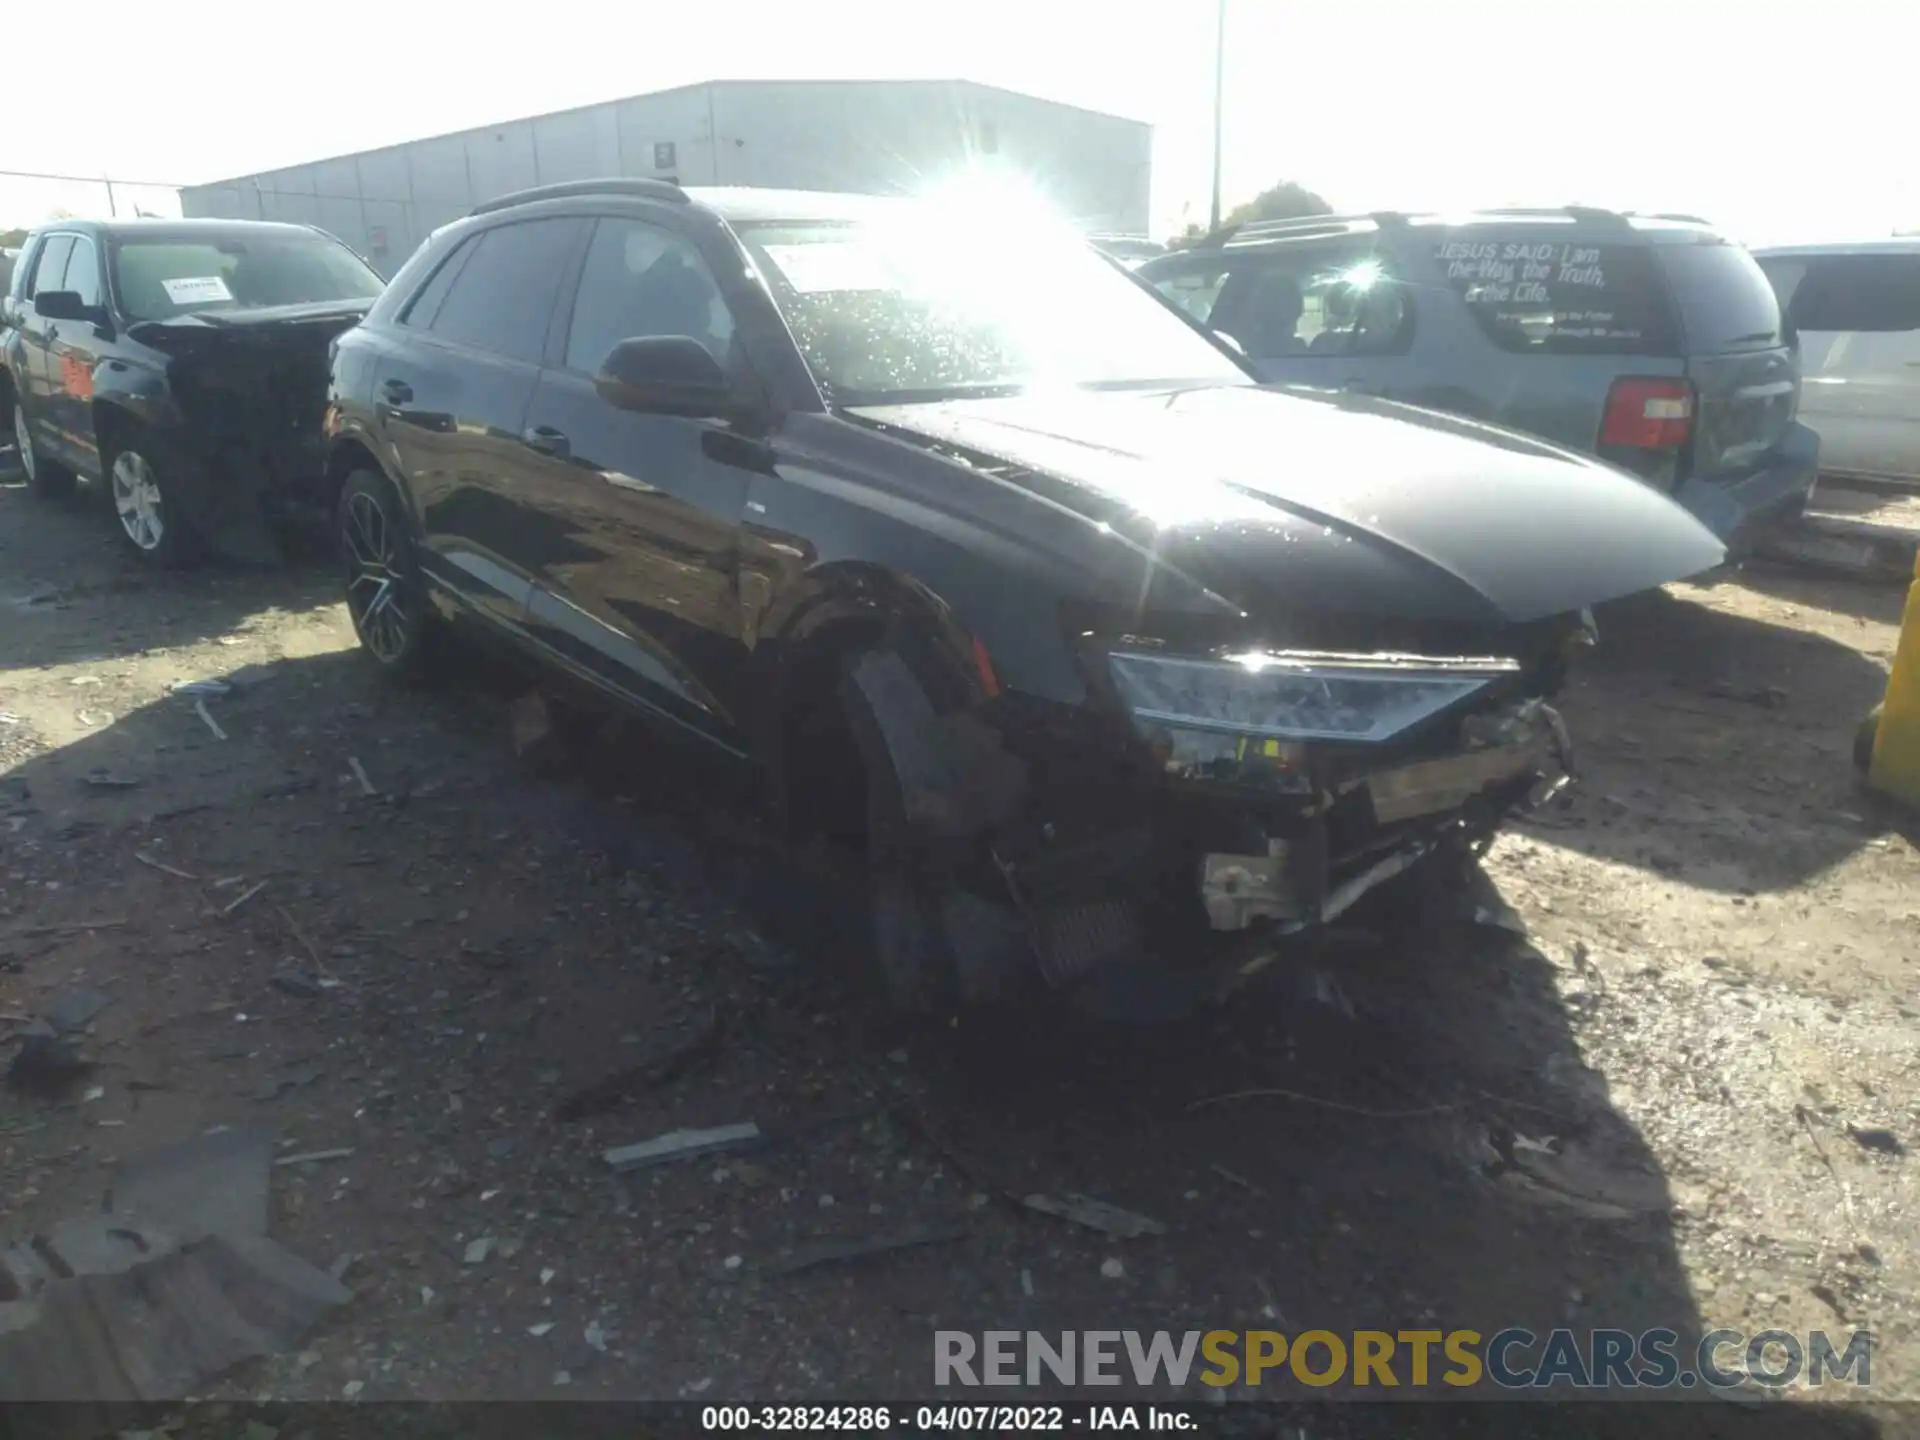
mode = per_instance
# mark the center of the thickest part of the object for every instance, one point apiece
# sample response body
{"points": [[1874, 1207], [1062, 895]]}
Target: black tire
{"points": [[907, 880], [44, 478], [386, 595], [137, 470]]}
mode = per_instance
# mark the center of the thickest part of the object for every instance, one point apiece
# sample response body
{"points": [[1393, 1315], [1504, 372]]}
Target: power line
{"points": [[91, 179]]}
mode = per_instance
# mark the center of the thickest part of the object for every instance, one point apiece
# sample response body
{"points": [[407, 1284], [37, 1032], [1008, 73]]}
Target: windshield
{"points": [[911, 308], [161, 278]]}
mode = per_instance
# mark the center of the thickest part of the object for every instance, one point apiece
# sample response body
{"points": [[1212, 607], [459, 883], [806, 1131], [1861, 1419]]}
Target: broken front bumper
{"points": [[1206, 886]]}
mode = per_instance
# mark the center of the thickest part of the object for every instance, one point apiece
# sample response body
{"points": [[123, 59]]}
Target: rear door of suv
{"points": [[1553, 312], [451, 392], [1857, 315]]}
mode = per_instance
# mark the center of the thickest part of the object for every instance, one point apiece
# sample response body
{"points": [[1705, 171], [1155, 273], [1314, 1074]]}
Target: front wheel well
{"points": [[345, 457]]}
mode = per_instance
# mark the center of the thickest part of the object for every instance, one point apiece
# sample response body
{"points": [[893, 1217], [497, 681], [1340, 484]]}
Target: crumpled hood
{"points": [[202, 332], [1318, 498]]}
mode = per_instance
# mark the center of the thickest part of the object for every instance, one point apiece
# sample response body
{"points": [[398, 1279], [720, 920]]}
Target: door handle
{"points": [[548, 441], [396, 392]]}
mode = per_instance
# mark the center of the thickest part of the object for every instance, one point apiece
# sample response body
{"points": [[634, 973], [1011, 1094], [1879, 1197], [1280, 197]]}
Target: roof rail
{"points": [[1669, 215], [1592, 213], [638, 187], [1297, 224]]}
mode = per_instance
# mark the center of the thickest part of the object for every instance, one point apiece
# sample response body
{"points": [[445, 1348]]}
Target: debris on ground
{"points": [[1096, 1215], [163, 867], [529, 722], [172, 1284], [297, 983], [683, 1145], [1875, 1137], [314, 1157], [214, 1183], [360, 776], [199, 687], [291, 1078], [73, 1010], [243, 897], [686, 1055], [107, 780], [1234, 1177], [206, 716], [832, 1252]]}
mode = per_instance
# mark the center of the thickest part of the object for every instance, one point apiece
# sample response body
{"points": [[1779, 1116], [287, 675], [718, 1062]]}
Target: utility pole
{"points": [[1219, 91]]}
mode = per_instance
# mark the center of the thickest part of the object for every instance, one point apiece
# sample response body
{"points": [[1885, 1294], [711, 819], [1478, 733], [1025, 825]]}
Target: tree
{"points": [[12, 239], [1286, 201]]}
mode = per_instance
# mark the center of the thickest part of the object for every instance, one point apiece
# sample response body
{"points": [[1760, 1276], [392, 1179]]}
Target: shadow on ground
{"points": [[1385, 1181], [57, 554], [1879, 600], [1715, 747]]}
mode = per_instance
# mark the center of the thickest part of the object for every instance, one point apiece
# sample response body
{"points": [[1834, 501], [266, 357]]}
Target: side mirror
{"points": [[666, 375], [66, 305]]}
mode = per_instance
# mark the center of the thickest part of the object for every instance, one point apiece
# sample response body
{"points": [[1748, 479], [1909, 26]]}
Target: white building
{"points": [[872, 137]]}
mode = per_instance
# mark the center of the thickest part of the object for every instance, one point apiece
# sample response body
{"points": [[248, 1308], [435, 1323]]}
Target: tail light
{"points": [[1648, 414]]}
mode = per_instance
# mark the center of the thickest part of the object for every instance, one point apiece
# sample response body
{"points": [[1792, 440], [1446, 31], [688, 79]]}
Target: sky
{"points": [[1778, 122]]}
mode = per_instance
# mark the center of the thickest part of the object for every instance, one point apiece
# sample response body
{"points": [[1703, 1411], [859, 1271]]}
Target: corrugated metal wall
{"points": [[878, 137]]}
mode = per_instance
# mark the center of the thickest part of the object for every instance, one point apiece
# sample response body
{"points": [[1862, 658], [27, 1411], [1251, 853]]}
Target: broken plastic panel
{"points": [[1352, 698]]}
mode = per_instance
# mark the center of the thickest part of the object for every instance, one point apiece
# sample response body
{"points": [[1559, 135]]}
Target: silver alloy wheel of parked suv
{"points": [[137, 499], [23, 441]]}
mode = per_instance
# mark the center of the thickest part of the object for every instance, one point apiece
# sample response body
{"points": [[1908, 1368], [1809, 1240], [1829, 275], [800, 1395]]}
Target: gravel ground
{"points": [[1642, 1111]]}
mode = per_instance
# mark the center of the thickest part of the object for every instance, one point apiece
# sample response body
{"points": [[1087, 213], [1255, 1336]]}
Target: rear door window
{"points": [[1541, 292], [1849, 293], [1726, 302], [1336, 298]]}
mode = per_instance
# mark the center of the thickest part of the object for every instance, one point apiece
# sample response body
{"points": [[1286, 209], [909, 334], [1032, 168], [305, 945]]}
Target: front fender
{"points": [[820, 554], [137, 391]]}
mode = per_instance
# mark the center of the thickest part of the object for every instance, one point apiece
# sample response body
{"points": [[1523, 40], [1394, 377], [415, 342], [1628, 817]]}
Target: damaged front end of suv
{"points": [[1312, 685], [1248, 797]]}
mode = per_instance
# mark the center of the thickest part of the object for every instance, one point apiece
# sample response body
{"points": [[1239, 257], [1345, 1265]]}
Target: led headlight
{"points": [[1357, 698]]}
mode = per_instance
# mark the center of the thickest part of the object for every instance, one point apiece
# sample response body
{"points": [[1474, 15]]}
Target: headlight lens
{"points": [[1357, 698]]}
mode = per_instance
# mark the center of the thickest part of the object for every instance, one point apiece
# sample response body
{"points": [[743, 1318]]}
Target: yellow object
{"points": [[1895, 769]]}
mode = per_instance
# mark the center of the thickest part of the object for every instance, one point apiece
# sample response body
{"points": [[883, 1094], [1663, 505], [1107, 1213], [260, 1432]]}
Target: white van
{"points": [[1857, 310]]}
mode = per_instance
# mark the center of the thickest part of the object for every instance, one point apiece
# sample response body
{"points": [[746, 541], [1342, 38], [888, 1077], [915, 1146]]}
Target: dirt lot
{"points": [[1638, 1116]]}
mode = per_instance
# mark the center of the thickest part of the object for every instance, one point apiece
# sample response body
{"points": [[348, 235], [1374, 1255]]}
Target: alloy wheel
{"points": [[23, 441], [374, 580], [136, 499]]}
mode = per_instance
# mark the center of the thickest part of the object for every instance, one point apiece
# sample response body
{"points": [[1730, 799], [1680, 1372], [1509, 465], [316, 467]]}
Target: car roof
{"points": [[1588, 221], [744, 204], [159, 229], [1878, 245]]}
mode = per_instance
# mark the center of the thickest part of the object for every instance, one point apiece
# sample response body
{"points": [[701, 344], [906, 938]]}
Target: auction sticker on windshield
{"points": [[197, 290]]}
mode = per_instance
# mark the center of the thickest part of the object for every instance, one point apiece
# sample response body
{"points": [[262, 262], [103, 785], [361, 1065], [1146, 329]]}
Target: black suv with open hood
{"points": [[179, 366], [1005, 576]]}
